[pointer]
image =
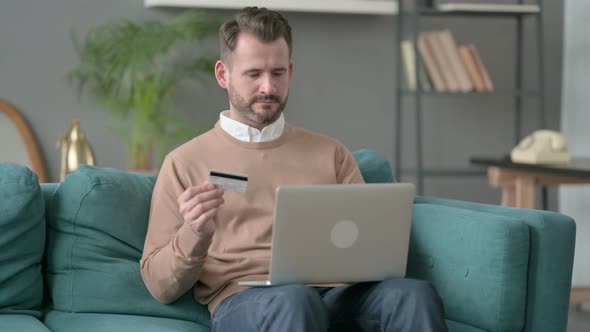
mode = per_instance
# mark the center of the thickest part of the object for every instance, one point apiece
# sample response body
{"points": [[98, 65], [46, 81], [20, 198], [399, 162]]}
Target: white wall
{"points": [[575, 200], [343, 86], [11, 145]]}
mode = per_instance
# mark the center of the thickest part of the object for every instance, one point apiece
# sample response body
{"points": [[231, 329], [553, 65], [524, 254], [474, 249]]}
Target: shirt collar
{"points": [[246, 133]]}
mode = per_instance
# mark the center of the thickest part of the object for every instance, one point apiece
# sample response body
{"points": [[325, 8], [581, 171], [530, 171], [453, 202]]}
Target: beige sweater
{"points": [[176, 258]]}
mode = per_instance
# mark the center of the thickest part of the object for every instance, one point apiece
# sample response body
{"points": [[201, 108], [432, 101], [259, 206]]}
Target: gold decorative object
{"points": [[75, 149]]}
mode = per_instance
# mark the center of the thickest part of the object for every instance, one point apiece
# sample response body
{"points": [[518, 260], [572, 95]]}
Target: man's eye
{"points": [[253, 75], [279, 74]]}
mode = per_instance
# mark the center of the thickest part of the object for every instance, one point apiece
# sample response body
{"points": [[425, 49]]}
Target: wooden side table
{"points": [[518, 182]]}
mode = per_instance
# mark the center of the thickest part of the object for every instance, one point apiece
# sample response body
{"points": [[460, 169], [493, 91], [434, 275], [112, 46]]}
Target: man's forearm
{"points": [[171, 271]]}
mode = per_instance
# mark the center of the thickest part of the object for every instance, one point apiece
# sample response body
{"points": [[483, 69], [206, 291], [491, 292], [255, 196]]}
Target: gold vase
{"points": [[75, 149]]}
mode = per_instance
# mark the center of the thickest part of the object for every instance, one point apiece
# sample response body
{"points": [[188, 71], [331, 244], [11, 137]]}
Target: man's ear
{"points": [[221, 73], [290, 71]]}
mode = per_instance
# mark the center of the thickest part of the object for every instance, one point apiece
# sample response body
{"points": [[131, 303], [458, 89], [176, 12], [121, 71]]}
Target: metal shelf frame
{"points": [[416, 14]]}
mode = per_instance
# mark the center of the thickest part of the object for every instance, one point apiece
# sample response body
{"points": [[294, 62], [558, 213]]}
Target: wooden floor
{"points": [[579, 319]]}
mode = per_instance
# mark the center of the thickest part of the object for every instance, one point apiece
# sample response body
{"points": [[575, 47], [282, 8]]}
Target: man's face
{"points": [[257, 76]]}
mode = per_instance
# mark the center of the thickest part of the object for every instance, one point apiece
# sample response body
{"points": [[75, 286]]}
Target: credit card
{"points": [[229, 181]]}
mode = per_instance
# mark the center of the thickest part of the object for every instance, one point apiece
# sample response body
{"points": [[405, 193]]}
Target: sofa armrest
{"points": [[551, 252], [477, 262]]}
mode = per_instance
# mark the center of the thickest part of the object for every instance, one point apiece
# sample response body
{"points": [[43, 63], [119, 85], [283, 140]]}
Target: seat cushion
{"points": [[59, 321], [22, 240], [98, 220], [26, 323], [476, 261]]}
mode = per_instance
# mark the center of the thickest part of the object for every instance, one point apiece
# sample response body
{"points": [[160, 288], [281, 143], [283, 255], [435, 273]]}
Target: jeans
{"points": [[390, 305]]}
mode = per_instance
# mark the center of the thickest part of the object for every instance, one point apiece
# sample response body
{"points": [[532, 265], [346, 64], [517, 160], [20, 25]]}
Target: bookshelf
{"points": [[414, 16]]}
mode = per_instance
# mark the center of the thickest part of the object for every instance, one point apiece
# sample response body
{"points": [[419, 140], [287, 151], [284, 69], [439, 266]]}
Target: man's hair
{"points": [[266, 25]]}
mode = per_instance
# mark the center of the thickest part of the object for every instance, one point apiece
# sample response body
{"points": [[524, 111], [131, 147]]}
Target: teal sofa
{"points": [[69, 257]]}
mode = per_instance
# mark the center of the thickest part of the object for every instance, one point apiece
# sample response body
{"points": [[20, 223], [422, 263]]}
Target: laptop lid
{"points": [[341, 233]]}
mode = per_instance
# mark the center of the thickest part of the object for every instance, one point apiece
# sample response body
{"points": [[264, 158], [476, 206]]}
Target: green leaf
{"points": [[132, 70]]}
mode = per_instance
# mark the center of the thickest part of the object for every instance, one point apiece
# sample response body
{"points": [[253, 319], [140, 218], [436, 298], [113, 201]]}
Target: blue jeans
{"points": [[390, 305]]}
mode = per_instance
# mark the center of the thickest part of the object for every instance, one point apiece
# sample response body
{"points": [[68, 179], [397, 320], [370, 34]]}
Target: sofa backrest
{"points": [[22, 240], [373, 166], [97, 222]]}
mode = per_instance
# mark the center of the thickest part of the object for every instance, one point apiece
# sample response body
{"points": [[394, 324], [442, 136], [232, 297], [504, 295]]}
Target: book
{"points": [[489, 86], [488, 7], [409, 64], [430, 64], [409, 61], [471, 68], [449, 46], [442, 61]]}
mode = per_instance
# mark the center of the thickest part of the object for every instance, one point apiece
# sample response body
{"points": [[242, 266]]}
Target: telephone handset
{"points": [[542, 147]]}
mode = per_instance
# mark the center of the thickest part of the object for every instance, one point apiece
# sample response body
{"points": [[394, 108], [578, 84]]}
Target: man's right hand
{"points": [[198, 206]]}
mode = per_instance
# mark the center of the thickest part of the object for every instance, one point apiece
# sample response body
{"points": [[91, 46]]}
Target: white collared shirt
{"points": [[246, 133]]}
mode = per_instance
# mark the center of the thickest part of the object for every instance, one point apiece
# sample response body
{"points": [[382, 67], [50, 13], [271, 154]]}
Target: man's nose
{"points": [[267, 85]]}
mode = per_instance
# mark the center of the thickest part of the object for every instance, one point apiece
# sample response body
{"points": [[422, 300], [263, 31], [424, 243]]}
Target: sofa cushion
{"points": [[74, 322], [22, 240], [97, 222], [373, 166], [21, 323], [487, 263]]}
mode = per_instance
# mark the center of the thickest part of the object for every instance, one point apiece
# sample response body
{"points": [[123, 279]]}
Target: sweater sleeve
{"points": [[348, 171], [173, 253]]}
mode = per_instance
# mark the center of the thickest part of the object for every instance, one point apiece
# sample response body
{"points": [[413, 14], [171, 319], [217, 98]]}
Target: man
{"points": [[202, 239]]}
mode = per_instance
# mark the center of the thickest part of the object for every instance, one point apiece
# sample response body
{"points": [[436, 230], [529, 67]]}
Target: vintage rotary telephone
{"points": [[542, 147]]}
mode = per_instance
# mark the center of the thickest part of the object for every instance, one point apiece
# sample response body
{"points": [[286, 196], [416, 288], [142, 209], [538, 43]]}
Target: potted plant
{"points": [[133, 68]]}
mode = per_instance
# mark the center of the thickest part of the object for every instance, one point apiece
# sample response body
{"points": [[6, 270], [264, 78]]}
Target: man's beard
{"points": [[246, 110]]}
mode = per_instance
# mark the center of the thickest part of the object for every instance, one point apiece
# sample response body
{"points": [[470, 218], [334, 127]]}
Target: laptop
{"points": [[326, 234]]}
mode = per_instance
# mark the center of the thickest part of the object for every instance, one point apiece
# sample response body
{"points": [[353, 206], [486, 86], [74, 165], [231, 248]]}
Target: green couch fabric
{"points": [[552, 243], [373, 166], [496, 268], [482, 276], [22, 241], [18, 323], [460, 327], [87, 322], [488, 259], [97, 222]]}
